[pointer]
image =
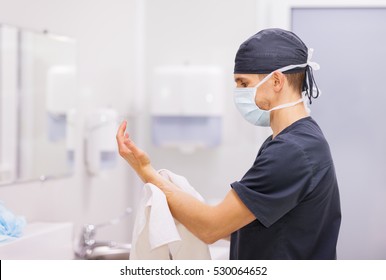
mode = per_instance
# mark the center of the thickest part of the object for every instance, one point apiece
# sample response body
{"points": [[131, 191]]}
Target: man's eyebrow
{"points": [[239, 79]]}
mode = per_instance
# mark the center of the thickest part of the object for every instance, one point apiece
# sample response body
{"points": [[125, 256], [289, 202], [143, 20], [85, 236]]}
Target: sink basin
{"points": [[40, 241], [109, 252]]}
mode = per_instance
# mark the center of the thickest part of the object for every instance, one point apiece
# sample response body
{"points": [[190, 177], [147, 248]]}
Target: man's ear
{"points": [[278, 81]]}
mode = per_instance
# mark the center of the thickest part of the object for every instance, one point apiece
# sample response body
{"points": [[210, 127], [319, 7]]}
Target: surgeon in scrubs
{"points": [[287, 204]]}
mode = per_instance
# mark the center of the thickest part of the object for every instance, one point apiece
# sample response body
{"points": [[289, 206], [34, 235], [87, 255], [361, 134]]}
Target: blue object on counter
{"points": [[11, 226]]}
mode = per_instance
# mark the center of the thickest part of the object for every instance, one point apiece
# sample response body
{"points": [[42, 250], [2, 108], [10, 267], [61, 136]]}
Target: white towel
{"points": [[156, 234]]}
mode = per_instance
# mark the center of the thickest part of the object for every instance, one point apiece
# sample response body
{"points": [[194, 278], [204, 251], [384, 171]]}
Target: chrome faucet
{"points": [[87, 244]]}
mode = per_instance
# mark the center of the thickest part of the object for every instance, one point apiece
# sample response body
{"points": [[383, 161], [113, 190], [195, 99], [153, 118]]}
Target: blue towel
{"points": [[11, 226]]}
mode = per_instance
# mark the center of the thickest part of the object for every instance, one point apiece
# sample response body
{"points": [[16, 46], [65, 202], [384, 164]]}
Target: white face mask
{"points": [[244, 99]]}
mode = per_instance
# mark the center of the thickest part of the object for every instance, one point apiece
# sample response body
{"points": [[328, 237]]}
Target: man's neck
{"points": [[282, 118]]}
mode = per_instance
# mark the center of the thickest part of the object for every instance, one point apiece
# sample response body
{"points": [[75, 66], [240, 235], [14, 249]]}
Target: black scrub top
{"points": [[293, 192]]}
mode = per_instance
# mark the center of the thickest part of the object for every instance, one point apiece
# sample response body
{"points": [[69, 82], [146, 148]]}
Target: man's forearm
{"points": [[196, 216], [208, 223]]}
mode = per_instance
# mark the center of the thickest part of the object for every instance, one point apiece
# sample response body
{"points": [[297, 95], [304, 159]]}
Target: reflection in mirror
{"points": [[38, 87]]}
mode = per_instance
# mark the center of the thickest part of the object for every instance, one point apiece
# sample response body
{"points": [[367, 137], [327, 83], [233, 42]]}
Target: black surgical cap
{"points": [[271, 49]]}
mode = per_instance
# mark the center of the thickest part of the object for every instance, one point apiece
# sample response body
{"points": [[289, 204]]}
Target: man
{"points": [[287, 204]]}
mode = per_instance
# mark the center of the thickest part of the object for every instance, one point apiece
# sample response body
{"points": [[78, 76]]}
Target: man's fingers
{"points": [[122, 136], [121, 130]]}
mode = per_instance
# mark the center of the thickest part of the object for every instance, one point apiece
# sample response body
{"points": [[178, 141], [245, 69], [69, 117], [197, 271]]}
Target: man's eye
{"points": [[243, 84]]}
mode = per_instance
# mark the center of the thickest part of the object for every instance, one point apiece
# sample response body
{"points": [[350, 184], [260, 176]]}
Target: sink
{"points": [[112, 251], [88, 248], [121, 251], [40, 241]]}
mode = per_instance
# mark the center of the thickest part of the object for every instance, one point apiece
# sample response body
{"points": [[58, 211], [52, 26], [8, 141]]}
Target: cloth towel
{"points": [[156, 234]]}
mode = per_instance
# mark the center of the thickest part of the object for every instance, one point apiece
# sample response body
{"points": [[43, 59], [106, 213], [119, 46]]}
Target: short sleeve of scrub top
{"points": [[279, 179]]}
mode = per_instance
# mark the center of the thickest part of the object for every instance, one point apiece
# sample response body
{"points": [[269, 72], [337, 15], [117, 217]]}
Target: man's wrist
{"points": [[147, 174]]}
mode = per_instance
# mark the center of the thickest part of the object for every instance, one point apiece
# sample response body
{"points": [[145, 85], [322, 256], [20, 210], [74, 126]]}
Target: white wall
{"points": [[104, 31]]}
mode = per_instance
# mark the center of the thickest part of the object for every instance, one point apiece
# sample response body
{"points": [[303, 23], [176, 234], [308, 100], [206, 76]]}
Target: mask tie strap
{"points": [[310, 88], [286, 105]]}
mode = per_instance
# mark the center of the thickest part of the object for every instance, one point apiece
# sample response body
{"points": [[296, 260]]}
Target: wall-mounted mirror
{"points": [[37, 91]]}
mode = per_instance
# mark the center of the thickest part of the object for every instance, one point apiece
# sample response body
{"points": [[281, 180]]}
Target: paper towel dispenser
{"points": [[187, 106]]}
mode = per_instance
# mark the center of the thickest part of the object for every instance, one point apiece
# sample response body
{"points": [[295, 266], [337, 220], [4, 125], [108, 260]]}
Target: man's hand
{"points": [[137, 158]]}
